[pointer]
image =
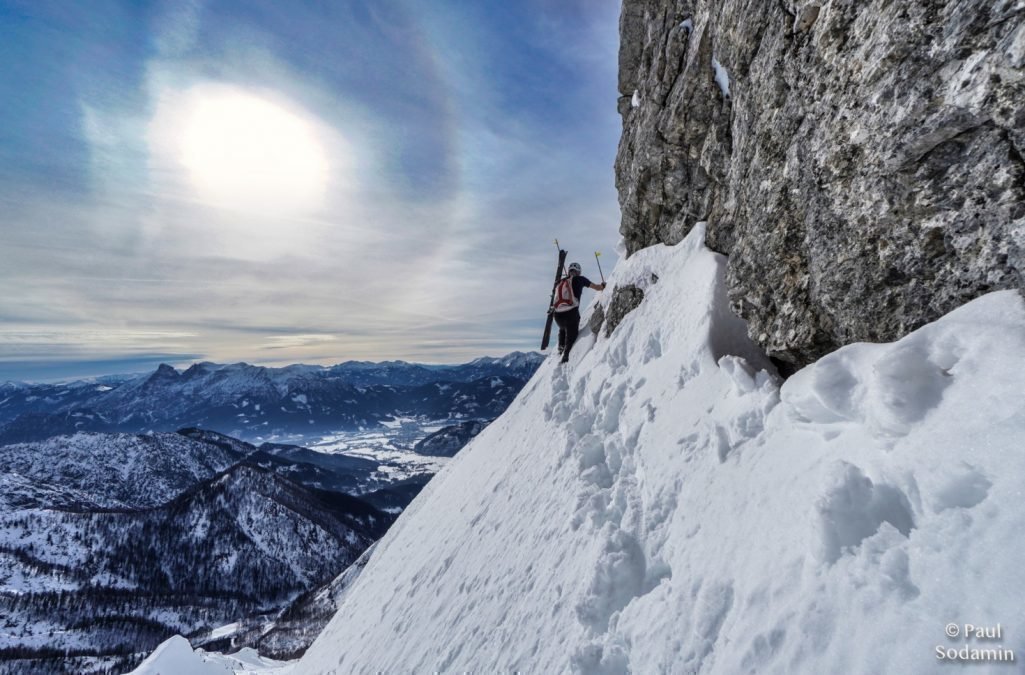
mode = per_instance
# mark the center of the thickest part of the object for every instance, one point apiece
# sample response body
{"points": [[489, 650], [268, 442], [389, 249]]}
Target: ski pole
{"points": [[596, 254]]}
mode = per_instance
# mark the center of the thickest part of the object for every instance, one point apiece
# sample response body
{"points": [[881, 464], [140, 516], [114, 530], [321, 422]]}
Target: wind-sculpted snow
{"points": [[662, 504], [176, 657]]}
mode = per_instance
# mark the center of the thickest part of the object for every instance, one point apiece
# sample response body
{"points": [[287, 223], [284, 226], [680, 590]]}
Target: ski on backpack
{"points": [[551, 302]]}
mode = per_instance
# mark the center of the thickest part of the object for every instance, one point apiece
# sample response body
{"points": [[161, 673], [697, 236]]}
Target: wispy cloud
{"points": [[462, 137], [291, 342]]}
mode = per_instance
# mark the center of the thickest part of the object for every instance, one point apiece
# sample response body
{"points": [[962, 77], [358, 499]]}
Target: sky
{"points": [[300, 182]]}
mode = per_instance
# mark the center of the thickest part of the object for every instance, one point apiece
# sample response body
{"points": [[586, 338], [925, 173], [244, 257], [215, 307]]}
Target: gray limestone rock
{"points": [[859, 161], [625, 299], [806, 19], [596, 320]]}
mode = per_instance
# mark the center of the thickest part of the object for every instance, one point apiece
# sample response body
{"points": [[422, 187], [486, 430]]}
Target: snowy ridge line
{"points": [[663, 504], [264, 404], [176, 657], [84, 584]]}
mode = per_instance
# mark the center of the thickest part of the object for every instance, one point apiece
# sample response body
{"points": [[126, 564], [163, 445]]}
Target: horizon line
{"points": [[181, 368]]}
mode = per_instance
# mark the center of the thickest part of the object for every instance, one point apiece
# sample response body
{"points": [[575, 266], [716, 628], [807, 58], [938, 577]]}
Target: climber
{"points": [[567, 306]]}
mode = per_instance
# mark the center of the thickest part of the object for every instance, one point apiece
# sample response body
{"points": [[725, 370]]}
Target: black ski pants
{"points": [[569, 326]]}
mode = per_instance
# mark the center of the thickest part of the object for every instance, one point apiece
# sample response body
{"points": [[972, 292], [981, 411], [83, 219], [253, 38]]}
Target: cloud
{"points": [[295, 341], [48, 370], [176, 27], [73, 342], [463, 139]]}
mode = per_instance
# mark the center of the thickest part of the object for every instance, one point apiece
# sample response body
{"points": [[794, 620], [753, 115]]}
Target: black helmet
{"points": [[574, 268]]}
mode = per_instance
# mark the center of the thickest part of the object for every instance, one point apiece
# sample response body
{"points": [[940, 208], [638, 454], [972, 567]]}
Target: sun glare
{"points": [[245, 152]]}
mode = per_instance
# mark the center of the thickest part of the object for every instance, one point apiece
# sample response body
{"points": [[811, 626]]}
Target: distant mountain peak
{"points": [[259, 402], [164, 371]]}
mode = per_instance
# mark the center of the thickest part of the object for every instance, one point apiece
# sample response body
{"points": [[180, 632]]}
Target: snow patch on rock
{"points": [[722, 78]]}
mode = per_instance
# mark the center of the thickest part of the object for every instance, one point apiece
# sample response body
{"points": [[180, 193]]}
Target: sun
{"points": [[245, 152]]}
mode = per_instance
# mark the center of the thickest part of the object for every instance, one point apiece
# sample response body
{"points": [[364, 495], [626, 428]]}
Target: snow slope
{"points": [[662, 505]]}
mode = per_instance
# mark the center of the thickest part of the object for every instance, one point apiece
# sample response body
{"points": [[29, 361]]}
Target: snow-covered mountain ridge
{"points": [[115, 470], [110, 543], [449, 440], [664, 504], [258, 403]]}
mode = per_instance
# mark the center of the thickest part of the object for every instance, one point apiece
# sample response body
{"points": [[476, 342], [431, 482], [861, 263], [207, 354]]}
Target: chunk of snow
{"points": [[722, 78], [222, 631], [621, 247]]}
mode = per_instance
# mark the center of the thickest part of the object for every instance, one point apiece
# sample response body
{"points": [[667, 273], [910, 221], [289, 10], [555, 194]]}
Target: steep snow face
{"points": [[661, 504]]}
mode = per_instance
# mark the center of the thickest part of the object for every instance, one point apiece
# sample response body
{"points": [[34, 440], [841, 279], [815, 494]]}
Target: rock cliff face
{"points": [[859, 161]]}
